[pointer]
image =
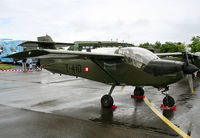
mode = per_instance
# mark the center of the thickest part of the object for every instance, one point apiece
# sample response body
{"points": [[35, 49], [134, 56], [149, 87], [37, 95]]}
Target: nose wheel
{"points": [[168, 101]]}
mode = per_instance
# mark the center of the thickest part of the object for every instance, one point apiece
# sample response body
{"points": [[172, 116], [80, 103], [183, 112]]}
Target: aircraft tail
{"points": [[44, 42], [48, 42], [46, 38]]}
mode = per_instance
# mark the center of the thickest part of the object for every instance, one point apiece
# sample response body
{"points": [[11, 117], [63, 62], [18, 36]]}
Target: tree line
{"points": [[169, 47]]}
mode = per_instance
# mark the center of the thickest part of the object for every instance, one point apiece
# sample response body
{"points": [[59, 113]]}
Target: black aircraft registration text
{"points": [[75, 68]]}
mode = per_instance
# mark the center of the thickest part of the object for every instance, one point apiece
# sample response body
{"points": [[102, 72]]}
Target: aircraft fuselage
{"points": [[116, 72]]}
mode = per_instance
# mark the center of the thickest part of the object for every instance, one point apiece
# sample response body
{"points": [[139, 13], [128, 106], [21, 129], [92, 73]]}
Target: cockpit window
{"points": [[137, 56]]}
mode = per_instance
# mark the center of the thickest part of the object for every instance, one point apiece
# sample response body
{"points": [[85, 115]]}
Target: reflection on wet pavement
{"points": [[168, 114]]}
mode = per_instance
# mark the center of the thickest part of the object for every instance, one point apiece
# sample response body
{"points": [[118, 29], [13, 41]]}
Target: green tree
{"points": [[157, 45], [169, 47], [181, 47], [195, 45], [146, 45]]}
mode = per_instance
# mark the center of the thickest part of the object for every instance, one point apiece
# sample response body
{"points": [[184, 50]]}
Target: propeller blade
{"points": [[190, 81], [187, 60]]}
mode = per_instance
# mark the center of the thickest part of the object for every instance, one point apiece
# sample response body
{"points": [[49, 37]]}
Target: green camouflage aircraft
{"points": [[131, 66]]}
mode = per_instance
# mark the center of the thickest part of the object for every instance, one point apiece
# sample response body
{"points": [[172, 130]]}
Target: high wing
{"points": [[50, 53], [193, 58], [177, 54]]}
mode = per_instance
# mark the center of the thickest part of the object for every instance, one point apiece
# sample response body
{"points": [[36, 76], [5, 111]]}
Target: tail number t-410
{"points": [[75, 68]]}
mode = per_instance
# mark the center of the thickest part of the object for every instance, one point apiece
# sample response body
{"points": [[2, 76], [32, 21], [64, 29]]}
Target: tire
{"points": [[107, 101], [139, 91], [168, 101]]}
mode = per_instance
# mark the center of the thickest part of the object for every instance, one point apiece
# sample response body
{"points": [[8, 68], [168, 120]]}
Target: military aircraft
{"points": [[131, 66]]}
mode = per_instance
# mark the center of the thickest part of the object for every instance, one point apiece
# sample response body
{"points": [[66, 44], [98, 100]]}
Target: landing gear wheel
{"points": [[168, 101], [107, 101], [139, 91]]}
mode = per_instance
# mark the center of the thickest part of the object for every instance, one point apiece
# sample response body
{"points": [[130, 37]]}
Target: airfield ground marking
{"points": [[169, 123]]}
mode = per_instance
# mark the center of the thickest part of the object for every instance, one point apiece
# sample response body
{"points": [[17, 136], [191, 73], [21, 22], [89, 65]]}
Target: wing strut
{"points": [[115, 81], [111, 89]]}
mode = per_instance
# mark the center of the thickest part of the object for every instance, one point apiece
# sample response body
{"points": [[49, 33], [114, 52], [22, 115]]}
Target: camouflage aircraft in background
{"points": [[131, 66]]}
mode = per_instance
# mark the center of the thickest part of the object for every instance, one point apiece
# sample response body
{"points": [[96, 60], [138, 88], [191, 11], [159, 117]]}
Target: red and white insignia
{"points": [[86, 69]]}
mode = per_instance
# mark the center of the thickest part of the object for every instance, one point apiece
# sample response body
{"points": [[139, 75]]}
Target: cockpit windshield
{"points": [[137, 56]]}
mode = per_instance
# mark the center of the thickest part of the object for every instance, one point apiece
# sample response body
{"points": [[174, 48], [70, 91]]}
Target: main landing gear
{"points": [[107, 100], [168, 101], [139, 91]]}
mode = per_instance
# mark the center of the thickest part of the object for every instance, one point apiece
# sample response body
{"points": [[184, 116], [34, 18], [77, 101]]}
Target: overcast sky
{"points": [[133, 21]]}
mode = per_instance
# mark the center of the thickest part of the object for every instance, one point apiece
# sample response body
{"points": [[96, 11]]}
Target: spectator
{"points": [[30, 66], [38, 64], [24, 64]]}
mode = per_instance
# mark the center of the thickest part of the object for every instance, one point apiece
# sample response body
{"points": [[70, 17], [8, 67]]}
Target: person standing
{"points": [[30, 66], [24, 64], [38, 64]]}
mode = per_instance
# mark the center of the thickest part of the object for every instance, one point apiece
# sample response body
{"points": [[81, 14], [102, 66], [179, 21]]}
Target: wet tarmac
{"points": [[40, 104]]}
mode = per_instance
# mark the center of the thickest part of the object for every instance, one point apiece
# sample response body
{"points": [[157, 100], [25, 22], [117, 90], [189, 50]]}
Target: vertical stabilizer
{"points": [[48, 42], [46, 38]]}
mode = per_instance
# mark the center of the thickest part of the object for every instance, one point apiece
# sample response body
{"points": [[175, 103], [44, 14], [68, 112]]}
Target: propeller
{"points": [[188, 68], [190, 81]]}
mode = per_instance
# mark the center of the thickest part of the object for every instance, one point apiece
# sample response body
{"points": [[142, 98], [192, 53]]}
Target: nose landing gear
{"points": [[168, 101]]}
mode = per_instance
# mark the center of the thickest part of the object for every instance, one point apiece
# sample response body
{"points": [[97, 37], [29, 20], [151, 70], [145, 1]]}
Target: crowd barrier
{"points": [[18, 70]]}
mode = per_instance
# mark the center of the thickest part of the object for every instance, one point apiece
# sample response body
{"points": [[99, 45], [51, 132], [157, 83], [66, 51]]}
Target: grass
{"points": [[6, 66]]}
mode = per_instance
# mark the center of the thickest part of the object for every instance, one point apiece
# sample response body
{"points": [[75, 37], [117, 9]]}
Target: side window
{"points": [[129, 60], [109, 66]]}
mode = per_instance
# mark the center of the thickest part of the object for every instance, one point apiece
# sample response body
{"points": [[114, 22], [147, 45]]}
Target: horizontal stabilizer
{"points": [[45, 44]]}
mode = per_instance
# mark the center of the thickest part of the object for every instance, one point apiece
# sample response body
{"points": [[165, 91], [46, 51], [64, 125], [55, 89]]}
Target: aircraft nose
{"points": [[163, 67], [189, 69]]}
